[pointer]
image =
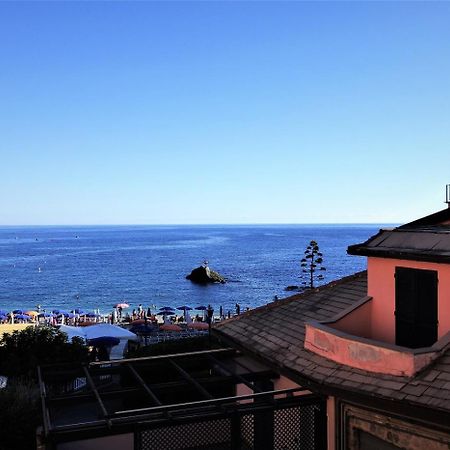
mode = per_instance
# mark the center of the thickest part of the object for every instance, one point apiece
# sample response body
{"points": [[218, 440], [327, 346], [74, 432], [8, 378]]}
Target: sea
{"points": [[96, 267]]}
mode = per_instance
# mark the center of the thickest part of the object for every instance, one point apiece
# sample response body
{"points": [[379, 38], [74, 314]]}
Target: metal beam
{"points": [[45, 413], [217, 401], [173, 355], [236, 375], [143, 384], [191, 380], [91, 384]]}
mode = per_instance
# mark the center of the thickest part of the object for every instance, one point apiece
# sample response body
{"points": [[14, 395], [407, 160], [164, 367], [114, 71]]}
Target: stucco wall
{"points": [[381, 286], [358, 322]]}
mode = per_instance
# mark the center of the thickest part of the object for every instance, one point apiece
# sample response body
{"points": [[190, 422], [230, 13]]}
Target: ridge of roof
{"points": [[431, 219]]}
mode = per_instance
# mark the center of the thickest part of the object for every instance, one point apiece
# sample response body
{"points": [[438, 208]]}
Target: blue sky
{"points": [[223, 112]]}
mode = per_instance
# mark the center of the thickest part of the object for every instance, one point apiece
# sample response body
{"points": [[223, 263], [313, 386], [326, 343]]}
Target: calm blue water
{"points": [[50, 266]]}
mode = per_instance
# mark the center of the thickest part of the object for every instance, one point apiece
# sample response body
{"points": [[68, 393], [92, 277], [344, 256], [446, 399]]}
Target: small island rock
{"points": [[291, 288], [203, 275]]}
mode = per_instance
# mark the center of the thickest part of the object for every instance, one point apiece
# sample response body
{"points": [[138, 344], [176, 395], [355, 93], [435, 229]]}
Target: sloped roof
{"points": [[425, 239], [419, 245], [276, 333], [437, 218]]}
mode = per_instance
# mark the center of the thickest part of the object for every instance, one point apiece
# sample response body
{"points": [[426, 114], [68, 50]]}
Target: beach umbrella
{"points": [[140, 321], [91, 314], [202, 308], [107, 341], [32, 313], [121, 305], [22, 317], [86, 324], [166, 308], [68, 315], [170, 327], [18, 311], [143, 329], [165, 313], [3, 312], [78, 311], [45, 315], [198, 325], [60, 312], [184, 308], [3, 316]]}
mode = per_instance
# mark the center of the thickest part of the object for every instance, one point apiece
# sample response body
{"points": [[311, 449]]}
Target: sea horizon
{"points": [[83, 225]]}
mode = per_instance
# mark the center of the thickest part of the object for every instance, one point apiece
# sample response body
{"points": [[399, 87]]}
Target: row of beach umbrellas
{"points": [[20, 314], [142, 327]]}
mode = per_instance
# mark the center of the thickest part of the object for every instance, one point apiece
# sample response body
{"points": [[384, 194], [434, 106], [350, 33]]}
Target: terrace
{"points": [[214, 399]]}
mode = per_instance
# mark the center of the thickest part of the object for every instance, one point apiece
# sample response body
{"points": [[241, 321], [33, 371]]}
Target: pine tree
{"points": [[311, 264]]}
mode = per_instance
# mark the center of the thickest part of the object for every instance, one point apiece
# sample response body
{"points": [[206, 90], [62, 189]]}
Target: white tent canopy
{"points": [[100, 330]]}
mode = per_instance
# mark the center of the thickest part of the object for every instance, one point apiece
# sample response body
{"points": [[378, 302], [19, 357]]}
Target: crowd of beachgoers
{"points": [[165, 318]]}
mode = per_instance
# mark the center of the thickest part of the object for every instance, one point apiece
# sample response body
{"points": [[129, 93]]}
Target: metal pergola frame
{"points": [[206, 404]]}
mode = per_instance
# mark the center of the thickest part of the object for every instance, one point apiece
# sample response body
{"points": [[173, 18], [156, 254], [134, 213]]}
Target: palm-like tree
{"points": [[311, 264]]}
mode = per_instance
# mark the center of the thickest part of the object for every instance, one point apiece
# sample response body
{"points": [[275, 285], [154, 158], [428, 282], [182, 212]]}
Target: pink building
{"points": [[375, 345]]}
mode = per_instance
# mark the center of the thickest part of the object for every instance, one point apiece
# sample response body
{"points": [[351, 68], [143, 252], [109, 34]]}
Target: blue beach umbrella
{"points": [[18, 311], [3, 316], [22, 317], [68, 315], [166, 308], [3, 312], [201, 308], [79, 311], [60, 312], [184, 308], [142, 329], [45, 315]]}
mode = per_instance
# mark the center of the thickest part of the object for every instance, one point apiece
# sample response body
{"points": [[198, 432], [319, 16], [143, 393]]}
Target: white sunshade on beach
{"points": [[100, 330], [73, 332]]}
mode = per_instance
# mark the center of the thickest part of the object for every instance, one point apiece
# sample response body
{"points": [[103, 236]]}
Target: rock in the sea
{"points": [[291, 288], [205, 275]]}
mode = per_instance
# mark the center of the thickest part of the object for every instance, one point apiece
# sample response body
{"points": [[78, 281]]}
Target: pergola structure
{"points": [[216, 399]]}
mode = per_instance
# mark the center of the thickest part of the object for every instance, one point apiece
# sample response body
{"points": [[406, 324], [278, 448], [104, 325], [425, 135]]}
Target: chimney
{"points": [[447, 195]]}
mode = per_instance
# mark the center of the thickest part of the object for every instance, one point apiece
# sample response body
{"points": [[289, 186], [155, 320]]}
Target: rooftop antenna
{"points": [[447, 195]]}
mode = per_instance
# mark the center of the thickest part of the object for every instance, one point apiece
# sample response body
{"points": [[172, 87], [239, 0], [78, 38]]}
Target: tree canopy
{"points": [[22, 351]]}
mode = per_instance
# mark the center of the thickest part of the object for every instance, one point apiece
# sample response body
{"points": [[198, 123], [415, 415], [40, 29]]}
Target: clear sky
{"points": [[223, 112]]}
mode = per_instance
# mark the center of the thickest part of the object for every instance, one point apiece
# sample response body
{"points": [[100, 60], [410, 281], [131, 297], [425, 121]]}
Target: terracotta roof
{"points": [[276, 333]]}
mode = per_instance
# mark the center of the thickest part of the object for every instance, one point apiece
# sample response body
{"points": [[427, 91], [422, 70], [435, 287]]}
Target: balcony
{"points": [[346, 340]]}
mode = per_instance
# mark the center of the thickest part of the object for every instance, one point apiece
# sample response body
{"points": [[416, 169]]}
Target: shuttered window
{"points": [[416, 314]]}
